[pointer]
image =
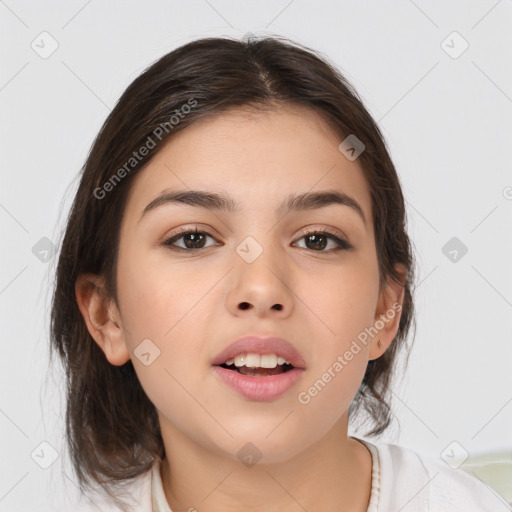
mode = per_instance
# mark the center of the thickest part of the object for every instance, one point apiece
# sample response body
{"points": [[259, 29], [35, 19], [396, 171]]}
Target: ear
{"points": [[101, 317], [388, 313]]}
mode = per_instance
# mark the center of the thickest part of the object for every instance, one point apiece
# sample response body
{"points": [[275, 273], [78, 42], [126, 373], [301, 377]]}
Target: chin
{"points": [[262, 443]]}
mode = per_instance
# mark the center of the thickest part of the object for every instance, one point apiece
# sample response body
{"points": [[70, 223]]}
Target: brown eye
{"points": [[318, 240], [191, 240]]}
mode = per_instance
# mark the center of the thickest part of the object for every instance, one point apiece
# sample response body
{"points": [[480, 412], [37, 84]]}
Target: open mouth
{"points": [[258, 371], [260, 377]]}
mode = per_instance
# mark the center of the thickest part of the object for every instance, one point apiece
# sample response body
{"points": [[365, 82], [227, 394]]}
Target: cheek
{"points": [[332, 382], [327, 393], [344, 303], [169, 307], [346, 307], [156, 297]]}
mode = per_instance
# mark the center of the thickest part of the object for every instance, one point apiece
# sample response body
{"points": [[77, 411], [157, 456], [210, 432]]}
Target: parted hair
{"points": [[112, 428]]}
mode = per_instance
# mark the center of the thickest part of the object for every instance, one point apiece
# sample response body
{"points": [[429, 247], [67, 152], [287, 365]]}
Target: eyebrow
{"points": [[220, 202]]}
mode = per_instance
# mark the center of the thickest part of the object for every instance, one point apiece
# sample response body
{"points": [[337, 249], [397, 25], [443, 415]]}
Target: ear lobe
{"points": [[101, 317], [388, 313]]}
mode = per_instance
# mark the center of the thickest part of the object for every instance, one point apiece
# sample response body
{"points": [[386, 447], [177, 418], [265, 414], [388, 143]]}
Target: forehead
{"points": [[255, 157]]}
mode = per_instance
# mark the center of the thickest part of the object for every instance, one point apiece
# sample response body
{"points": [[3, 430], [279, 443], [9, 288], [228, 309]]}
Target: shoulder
{"points": [[410, 482]]}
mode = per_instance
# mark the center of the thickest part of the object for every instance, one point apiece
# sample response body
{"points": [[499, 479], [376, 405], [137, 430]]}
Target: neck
{"points": [[331, 475]]}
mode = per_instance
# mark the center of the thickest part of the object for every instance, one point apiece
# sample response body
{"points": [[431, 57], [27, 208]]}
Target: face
{"points": [[309, 276]]}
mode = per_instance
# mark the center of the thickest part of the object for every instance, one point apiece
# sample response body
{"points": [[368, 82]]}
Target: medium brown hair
{"points": [[112, 427]]}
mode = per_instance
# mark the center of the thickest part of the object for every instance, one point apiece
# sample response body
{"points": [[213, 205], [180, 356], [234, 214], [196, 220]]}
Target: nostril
{"points": [[245, 305]]}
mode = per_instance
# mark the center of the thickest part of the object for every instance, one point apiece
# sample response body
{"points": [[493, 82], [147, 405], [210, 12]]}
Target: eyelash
{"points": [[343, 245]]}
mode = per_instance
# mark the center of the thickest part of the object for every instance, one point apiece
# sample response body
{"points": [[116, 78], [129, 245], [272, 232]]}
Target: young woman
{"points": [[235, 284]]}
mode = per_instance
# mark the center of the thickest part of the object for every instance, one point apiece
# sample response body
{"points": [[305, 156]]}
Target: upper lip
{"points": [[255, 344]]}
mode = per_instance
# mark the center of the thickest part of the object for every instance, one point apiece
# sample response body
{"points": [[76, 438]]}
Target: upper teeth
{"points": [[257, 360]]}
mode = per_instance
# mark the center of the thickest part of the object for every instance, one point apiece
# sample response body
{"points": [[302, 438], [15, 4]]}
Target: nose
{"points": [[261, 287]]}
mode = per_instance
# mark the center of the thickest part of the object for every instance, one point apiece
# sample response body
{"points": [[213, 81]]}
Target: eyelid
{"points": [[329, 230], [200, 228]]}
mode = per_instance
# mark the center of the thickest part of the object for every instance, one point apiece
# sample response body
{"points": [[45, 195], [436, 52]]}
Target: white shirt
{"points": [[402, 481]]}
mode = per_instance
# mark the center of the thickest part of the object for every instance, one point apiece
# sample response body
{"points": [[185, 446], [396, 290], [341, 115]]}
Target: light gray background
{"points": [[448, 125]]}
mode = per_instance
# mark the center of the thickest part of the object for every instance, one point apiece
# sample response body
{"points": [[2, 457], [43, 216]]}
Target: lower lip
{"points": [[259, 389]]}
